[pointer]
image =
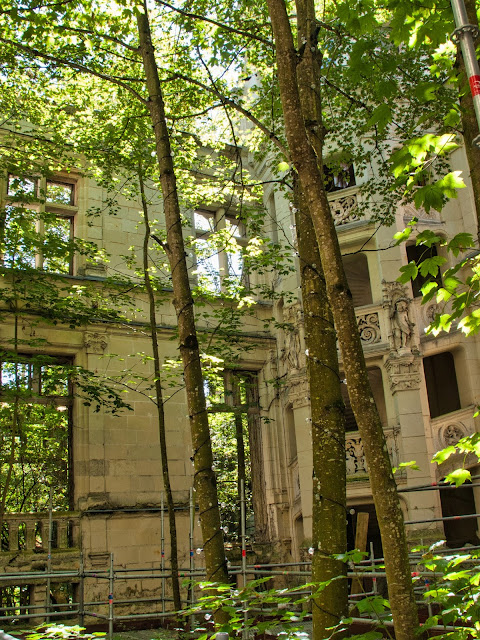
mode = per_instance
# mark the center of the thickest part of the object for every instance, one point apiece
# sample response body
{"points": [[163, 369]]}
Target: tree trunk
{"points": [[177, 603], [205, 482], [469, 122], [382, 482], [328, 420], [328, 431]]}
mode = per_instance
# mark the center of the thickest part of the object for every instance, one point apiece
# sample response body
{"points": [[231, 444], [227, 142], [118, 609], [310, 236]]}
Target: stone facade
{"points": [[116, 470]]}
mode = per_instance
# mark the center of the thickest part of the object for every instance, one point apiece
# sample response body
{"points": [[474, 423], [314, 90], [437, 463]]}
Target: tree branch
{"points": [[278, 143], [226, 27], [79, 67]]}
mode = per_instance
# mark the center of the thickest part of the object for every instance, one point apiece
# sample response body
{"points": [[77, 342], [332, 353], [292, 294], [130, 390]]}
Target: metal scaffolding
{"points": [[106, 609]]}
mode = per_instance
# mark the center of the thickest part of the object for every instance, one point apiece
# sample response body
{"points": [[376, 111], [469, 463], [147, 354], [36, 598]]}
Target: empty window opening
{"points": [[291, 433], [358, 278], [441, 381], [219, 239], [459, 502], [376, 382], [234, 420], [35, 426], [417, 254], [36, 225], [338, 177]]}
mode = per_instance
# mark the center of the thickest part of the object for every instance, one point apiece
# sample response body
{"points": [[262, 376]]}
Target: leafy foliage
{"points": [[62, 632]]}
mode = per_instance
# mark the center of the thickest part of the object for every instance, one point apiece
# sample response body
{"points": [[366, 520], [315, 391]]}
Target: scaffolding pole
{"points": [[464, 35], [111, 581], [49, 555], [162, 550], [243, 534]]}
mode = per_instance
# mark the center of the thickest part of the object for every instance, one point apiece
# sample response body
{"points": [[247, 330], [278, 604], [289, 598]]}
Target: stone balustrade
{"points": [[343, 205], [29, 531], [356, 463]]}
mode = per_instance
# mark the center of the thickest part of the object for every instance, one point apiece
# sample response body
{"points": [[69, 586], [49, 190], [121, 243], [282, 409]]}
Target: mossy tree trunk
{"points": [[306, 162], [328, 431]]}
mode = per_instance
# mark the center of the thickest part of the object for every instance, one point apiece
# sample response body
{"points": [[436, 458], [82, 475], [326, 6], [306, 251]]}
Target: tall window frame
{"points": [[37, 388], [222, 260], [52, 203]]}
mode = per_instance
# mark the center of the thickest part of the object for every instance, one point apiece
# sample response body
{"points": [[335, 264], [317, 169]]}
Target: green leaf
{"points": [[460, 242], [430, 266], [459, 476], [409, 272], [443, 455], [381, 117]]}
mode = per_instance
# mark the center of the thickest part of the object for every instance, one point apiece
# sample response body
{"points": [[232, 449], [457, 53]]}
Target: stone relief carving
{"points": [[369, 328], [95, 342], [452, 433], [356, 463], [343, 209], [397, 304], [355, 455], [409, 212], [298, 391], [292, 352], [403, 371]]}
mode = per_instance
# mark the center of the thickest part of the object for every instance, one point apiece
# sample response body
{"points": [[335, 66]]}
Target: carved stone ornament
{"points": [[292, 353], [452, 433], [369, 328], [403, 371], [409, 212], [355, 455], [298, 391], [95, 342], [397, 304], [343, 209]]}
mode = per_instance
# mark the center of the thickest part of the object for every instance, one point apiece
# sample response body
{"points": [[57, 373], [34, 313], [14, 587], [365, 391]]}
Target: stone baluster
{"points": [[13, 535], [45, 533], [30, 535], [62, 533]]}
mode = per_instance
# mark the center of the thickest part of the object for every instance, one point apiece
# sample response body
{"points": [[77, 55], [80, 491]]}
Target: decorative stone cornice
{"points": [[95, 342], [403, 371]]}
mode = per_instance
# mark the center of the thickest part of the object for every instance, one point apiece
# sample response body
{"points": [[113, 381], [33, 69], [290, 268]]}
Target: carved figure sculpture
{"points": [[402, 326]]}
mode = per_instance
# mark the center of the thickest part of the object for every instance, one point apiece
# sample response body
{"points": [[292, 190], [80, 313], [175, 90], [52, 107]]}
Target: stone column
{"points": [[298, 395], [403, 367]]}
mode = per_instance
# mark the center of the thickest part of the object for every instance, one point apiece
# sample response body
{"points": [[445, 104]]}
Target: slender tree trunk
{"points": [[387, 504], [328, 431], [205, 482], [177, 603], [469, 122]]}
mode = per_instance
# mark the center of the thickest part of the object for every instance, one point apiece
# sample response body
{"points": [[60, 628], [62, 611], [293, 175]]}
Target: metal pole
{"points": [[464, 35], [110, 599], [162, 544], [192, 559], [372, 559], [81, 593], [49, 555], [243, 534]]}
